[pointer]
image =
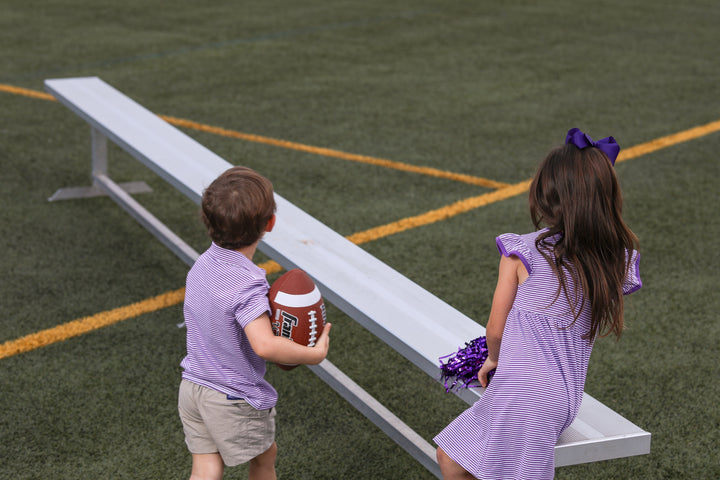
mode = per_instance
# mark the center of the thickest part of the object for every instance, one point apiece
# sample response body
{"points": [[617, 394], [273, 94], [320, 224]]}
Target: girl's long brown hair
{"points": [[576, 194]]}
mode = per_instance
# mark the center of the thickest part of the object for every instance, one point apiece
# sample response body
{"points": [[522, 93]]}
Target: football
{"points": [[297, 309]]}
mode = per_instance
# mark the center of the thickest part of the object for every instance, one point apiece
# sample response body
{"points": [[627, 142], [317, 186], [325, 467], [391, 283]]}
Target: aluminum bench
{"points": [[388, 304]]}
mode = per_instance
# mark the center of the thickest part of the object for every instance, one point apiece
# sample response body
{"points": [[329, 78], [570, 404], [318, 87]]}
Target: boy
{"points": [[226, 406]]}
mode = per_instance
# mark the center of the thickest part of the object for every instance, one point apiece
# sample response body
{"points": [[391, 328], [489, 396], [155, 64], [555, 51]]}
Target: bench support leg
{"points": [[98, 147], [99, 168]]}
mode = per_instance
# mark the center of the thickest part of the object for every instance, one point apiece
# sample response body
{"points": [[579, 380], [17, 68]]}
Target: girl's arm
{"points": [[511, 272], [283, 350]]}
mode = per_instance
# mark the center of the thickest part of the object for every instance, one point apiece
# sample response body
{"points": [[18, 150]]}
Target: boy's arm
{"points": [[283, 350]]}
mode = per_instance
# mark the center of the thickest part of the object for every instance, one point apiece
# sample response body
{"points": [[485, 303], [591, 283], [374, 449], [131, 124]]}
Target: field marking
{"points": [[668, 141], [87, 324], [439, 214], [26, 92], [327, 152]]}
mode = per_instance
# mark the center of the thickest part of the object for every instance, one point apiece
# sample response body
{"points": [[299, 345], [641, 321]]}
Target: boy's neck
{"points": [[249, 251]]}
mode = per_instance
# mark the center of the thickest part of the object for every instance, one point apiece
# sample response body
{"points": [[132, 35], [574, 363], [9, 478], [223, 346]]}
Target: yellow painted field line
{"points": [[668, 141], [626, 154], [26, 92], [84, 325], [327, 152], [87, 324], [271, 266], [439, 214]]}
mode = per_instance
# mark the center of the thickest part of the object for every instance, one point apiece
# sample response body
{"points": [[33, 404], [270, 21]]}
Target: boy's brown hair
{"points": [[237, 207]]}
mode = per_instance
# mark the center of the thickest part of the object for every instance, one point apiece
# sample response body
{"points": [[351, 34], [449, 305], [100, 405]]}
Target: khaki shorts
{"points": [[214, 424]]}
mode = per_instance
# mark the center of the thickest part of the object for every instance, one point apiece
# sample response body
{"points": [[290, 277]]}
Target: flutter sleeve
{"points": [[512, 244], [632, 281]]}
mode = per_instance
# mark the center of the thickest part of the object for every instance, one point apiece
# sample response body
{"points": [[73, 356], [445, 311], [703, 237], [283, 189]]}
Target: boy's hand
{"points": [[323, 343], [283, 350]]}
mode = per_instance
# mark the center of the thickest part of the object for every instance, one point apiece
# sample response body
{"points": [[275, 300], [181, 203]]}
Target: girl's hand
{"points": [[486, 368]]}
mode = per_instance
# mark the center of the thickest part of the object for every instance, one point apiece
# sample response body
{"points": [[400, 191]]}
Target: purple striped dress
{"points": [[511, 432]]}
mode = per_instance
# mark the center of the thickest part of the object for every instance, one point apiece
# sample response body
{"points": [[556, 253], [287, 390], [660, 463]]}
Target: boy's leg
{"points": [[262, 467], [450, 469], [207, 466]]}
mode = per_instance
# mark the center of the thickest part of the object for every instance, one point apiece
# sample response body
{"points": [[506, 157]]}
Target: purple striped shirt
{"points": [[225, 291]]}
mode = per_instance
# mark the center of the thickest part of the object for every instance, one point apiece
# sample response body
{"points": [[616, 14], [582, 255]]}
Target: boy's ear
{"points": [[270, 224]]}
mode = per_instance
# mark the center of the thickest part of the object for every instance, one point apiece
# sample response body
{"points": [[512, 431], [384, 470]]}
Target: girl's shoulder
{"points": [[522, 246]]}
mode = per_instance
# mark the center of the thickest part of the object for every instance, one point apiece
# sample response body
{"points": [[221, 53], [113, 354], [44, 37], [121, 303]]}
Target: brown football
{"points": [[297, 309]]}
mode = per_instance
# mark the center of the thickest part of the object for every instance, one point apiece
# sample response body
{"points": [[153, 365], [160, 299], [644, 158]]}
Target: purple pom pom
{"points": [[463, 366]]}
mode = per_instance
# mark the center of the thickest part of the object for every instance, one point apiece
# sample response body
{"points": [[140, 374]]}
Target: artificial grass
{"points": [[482, 89]]}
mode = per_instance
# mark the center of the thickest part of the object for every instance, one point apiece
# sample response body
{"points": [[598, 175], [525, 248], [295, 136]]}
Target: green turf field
{"points": [[483, 89]]}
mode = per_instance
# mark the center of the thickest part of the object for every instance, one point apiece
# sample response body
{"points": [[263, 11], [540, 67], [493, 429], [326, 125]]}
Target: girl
{"points": [[558, 289]]}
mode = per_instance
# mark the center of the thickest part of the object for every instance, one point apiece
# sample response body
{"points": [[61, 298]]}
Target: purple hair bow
{"points": [[582, 140]]}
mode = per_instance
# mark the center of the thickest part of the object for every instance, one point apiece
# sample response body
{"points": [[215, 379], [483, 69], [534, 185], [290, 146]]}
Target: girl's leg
{"points": [[450, 469], [262, 467], [207, 466]]}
